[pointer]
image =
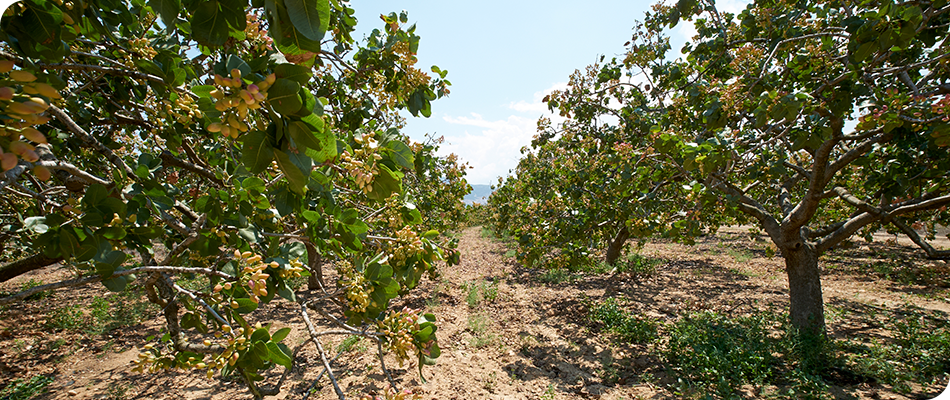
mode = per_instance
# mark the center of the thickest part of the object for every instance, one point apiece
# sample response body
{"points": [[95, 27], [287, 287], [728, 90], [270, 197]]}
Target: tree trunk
{"points": [[315, 265], [806, 307], [616, 245]]}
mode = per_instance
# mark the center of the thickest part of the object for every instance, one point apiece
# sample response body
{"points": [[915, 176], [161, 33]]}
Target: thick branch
{"points": [[22, 266]]}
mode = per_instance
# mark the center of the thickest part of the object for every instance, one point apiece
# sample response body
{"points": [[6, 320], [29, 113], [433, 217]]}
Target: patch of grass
{"points": [[19, 389], [740, 255], [710, 352], [640, 266], [352, 342], [68, 318], [478, 325], [105, 314], [32, 283], [511, 253], [480, 291], [630, 328], [920, 352]]}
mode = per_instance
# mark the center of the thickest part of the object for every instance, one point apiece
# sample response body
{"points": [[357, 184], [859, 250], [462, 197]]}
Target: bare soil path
{"points": [[506, 332]]}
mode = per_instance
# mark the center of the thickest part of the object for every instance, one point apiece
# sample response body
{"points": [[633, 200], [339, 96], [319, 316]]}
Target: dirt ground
{"points": [[518, 337]]}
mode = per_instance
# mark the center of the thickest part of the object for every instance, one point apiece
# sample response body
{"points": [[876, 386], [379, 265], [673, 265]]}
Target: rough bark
{"points": [[315, 265], [616, 245], [806, 306], [20, 267]]}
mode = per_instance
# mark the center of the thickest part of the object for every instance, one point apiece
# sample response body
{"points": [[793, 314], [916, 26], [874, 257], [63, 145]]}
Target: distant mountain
{"points": [[479, 194]]}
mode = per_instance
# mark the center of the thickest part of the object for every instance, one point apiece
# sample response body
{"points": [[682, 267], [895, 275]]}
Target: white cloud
{"points": [[493, 147], [536, 105]]}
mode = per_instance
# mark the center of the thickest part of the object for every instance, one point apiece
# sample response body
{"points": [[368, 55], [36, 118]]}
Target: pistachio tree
{"points": [[815, 120], [250, 143]]}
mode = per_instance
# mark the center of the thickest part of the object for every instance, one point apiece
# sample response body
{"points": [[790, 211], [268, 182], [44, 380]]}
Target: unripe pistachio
{"points": [[30, 156], [235, 73], [214, 127], [7, 161], [22, 76], [270, 79], [47, 90], [219, 80], [19, 148], [6, 93], [6, 66], [33, 135], [42, 173]]}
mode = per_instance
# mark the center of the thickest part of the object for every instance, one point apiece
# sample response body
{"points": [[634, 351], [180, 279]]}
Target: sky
{"points": [[502, 58]]}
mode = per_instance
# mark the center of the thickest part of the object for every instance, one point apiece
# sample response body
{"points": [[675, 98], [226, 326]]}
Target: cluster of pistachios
{"points": [[234, 100], [362, 163], [409, 244], [398, 328], [355, 286], [23, 100]]}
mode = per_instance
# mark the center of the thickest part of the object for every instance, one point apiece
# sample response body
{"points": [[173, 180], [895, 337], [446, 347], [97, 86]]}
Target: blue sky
{"points": [[502, 57]]}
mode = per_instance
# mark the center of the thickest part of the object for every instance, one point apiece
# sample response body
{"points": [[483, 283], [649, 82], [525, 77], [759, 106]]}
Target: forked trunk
{"points": [[616, 245], [806, 308]]}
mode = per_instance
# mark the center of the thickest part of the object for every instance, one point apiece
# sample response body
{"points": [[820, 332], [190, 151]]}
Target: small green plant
{"points": [[478, 325], [32, 283], [630, 328], [640, 266], [708, 351], [479, 291], [117, 391], [548, 394], [347, 344], [556, 275], [68, 318], [19, 389]]}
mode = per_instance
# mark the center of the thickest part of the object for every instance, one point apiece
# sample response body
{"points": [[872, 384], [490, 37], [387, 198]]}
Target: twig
{"points": [[323, 356]]}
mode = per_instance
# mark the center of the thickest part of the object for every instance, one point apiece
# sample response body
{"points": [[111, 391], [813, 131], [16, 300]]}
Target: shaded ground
{"points": [[508, 332]]}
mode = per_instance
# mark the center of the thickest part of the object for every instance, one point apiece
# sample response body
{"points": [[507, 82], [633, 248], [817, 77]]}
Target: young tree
{"points": [[249, 143], [817, 120]]}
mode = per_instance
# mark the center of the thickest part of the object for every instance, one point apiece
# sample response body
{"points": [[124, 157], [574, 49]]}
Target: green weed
{"points": [[25, 390], [708, 351], [630, 328], [480, 291]]}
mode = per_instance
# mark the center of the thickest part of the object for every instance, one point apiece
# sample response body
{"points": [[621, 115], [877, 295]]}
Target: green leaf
{"points": [[401, 154], [384, 185], [258, 151], [280, 354], [296, 177], [864, 51], [296, 73], [112, 232], [245, 305], [303, 137], [42, 21], [280, 334], [260, 335], [203, 91], [116, 284], [310, 17], [167, 10], [283, 96], [208, 25]]}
